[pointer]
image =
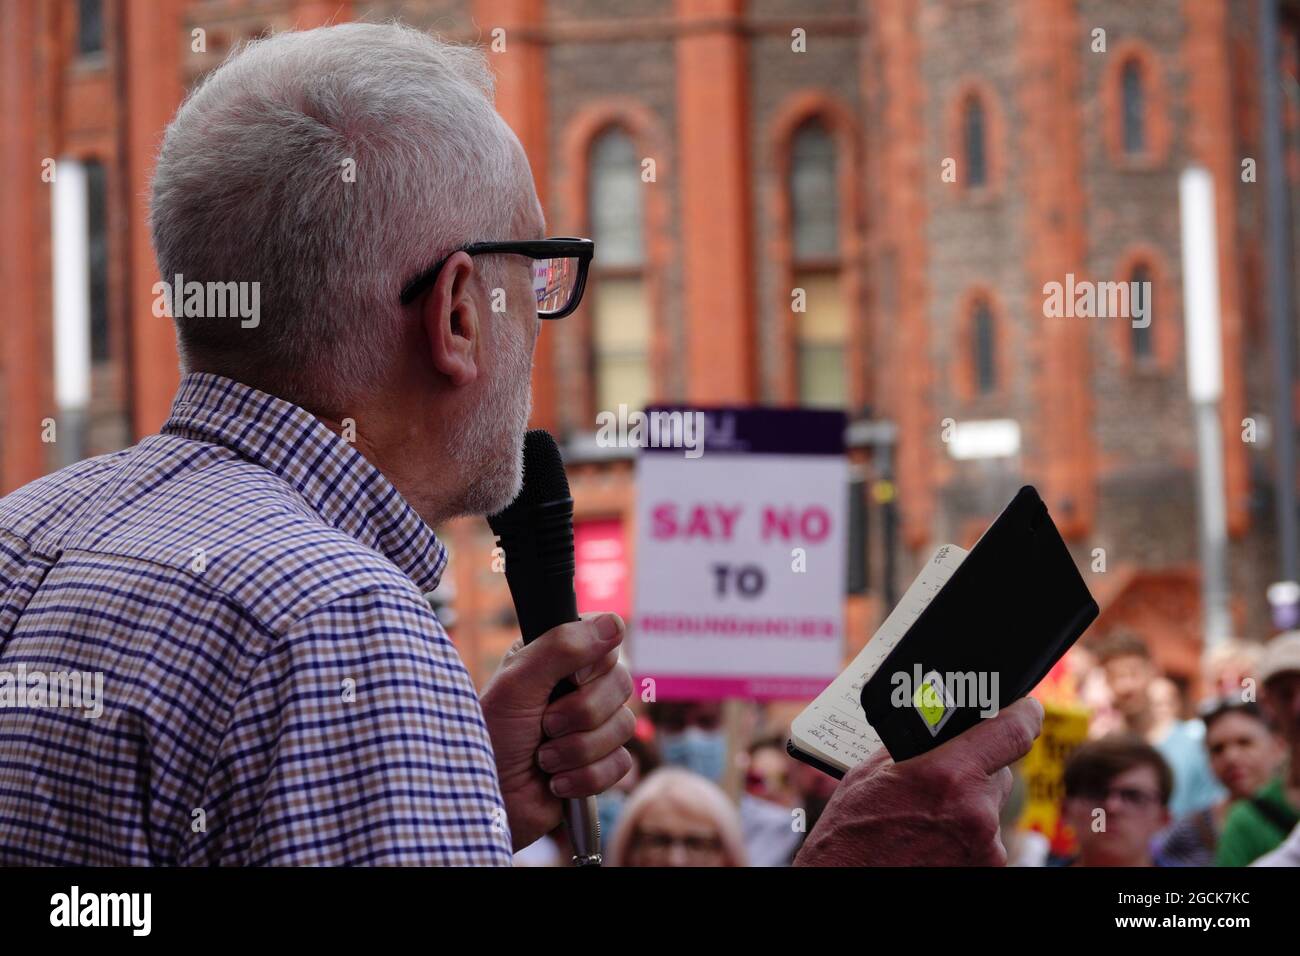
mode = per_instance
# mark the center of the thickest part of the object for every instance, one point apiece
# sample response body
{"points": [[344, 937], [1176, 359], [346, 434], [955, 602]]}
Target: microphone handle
{"points": [[539, 571], [550, 605]]}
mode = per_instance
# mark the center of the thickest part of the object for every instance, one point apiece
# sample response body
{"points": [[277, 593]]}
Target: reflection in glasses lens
{"points": [[553, 283]]}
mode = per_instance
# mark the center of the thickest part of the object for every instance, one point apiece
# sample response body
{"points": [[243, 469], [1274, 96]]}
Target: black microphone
{"points": [[536, 533]]}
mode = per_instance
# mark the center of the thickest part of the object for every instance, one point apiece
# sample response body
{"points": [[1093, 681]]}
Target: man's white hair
{"points": [[252, 185]]}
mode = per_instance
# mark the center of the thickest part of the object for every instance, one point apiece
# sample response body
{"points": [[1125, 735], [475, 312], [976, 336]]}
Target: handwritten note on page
{"points": [[833, 727]]}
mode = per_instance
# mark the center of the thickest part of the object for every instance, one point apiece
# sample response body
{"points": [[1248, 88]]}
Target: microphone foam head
{"points": [[544, 478]]}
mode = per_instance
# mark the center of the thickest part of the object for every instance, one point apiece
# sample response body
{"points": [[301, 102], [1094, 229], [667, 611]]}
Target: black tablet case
{"points": [[1015, 605]]}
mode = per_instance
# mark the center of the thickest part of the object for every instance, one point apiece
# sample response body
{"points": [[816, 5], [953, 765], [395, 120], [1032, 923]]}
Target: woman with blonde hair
{"points": [[677, 818]]}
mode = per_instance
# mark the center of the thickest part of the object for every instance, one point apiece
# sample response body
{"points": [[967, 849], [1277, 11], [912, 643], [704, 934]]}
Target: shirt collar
{"points": [[333, 478]]}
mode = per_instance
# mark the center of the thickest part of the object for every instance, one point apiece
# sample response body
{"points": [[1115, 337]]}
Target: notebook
{"points": [[975, 632], [832, 733]]}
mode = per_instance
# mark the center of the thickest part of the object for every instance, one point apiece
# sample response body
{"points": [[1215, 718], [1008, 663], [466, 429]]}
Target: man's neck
{"points": [[399, 467]]}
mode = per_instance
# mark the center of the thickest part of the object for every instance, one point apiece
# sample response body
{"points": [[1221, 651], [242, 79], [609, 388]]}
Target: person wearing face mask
{"points": [[691, 737]]}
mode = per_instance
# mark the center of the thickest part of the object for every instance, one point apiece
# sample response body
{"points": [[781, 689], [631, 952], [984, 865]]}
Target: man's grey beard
{"points": [[489, 443]]}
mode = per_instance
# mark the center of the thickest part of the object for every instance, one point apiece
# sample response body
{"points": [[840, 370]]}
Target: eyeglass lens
{"points": [[554, 281]]}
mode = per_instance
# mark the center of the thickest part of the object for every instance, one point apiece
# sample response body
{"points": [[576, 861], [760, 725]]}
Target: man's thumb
{"points": [[1002, 740]]}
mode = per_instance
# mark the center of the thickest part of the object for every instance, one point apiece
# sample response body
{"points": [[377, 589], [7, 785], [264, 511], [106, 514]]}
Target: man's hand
{"points": [[571, 748], [938, 809]]}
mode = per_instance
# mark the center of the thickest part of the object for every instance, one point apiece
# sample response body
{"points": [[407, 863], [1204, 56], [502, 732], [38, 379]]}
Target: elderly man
{"points": [[248, 584]]}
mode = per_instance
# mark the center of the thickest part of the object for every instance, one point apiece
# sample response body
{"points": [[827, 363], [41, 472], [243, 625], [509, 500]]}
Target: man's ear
{"points": [[451, 321]]}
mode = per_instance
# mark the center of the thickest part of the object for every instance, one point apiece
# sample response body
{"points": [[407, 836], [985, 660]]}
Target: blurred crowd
{"points": [[1155, 783]]}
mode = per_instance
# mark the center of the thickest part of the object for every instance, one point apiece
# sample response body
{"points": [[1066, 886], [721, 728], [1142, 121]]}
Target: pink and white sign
{"points": [[741, 558], [601, 580]]}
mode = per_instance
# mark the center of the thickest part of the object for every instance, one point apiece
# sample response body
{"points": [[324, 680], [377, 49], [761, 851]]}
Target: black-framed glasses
{"points": [[559, 271]]}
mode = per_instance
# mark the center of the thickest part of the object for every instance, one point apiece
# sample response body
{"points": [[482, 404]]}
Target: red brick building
{"points": [[910, 172]]}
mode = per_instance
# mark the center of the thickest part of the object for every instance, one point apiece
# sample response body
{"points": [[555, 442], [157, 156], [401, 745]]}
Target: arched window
{"points": [[983, 349], [1133, 94], [1141, 343], [973, 126], [821, 328], [620, 306], [1138, 110], [90, 27]]}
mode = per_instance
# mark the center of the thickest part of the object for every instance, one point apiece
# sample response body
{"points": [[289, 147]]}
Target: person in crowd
{"points": [[1130, 673], [645, 760], [1244, 755], [1228, 666], [1260, 824], [548, 851], [766, 817], [691, 735], [1117, 793], [1288, 854], [1024, 847], [813, 790], [677, 818], [1166, 707], [1088, 680]]}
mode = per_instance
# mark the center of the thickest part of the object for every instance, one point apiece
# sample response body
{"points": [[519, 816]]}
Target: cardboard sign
{"points": [[741, 556]]}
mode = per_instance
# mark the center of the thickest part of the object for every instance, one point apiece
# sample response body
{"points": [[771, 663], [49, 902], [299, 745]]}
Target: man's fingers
{"points": [[1002, 740], [579, 749], [590, 705], [594, 778], [566, 650], [602, 666]]}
